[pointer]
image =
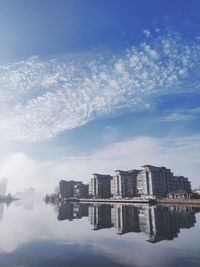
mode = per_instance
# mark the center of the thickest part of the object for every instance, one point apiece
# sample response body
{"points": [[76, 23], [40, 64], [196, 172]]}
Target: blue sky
{"points": [[80, 80]]}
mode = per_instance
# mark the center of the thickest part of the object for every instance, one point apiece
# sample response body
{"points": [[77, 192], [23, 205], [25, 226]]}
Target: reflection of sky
{"points": [[35, 238]]}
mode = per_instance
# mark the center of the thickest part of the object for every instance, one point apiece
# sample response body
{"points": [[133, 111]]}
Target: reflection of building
{"points": [[123, 183], [99, 186], [3, 187], [100, 216], [157, 222], [163, 223], [72, 189], [70, 211], [125, 219]]}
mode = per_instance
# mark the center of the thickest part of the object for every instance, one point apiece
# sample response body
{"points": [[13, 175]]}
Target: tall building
{"points": [[123, 183], [159, 181], [153, 181], [80, 190], [99, 186], [74, 189]]}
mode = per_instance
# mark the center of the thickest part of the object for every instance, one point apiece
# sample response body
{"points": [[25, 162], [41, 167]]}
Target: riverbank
{"points": [[163, 201], [106, 200], [190, 202]]}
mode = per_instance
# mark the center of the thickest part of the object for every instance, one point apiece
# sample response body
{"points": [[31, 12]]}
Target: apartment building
{"points": [[100, 186], [72, 188], [159, 181], [123, 183]]}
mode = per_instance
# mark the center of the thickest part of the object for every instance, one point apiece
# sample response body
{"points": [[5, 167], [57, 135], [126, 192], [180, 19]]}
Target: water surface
{"points": [[39, 234]]}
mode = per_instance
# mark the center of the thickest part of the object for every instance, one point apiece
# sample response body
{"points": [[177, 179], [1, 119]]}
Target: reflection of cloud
{"points": [[41, 98], [180, 154]]}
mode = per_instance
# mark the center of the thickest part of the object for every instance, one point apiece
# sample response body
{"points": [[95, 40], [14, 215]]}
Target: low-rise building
{"points": [[196, 193], [179, 194]]}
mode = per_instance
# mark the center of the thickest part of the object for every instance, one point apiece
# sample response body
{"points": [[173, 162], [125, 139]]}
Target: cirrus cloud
{"points": [[40, 98]]}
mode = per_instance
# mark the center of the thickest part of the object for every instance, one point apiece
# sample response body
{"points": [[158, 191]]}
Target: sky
{"points": [[92, 86]]}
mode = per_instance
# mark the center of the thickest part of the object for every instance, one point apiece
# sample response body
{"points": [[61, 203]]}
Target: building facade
{"points": [[159, 181], [149, 182], [123, 183], [153, 181], [100, 186], [72, 189]]}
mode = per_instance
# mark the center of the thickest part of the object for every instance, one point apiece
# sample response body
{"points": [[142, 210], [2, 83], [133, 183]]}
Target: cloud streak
{"points": [[40, 98], [179, 115]]}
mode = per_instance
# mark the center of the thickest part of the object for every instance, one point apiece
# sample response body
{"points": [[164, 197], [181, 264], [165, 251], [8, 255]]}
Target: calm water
{"points": [[37, 234]]}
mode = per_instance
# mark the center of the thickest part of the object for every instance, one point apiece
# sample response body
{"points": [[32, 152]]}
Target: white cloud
{"points": [[175, 117], [182, 155], [147, 33], [40, 98], [179, 115], [111, 134]]}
